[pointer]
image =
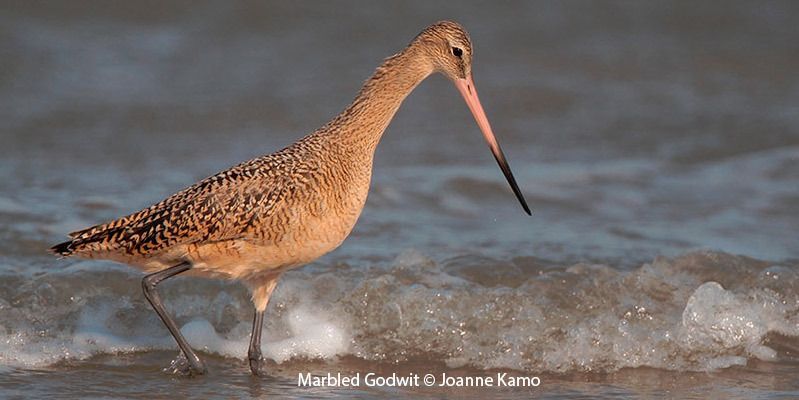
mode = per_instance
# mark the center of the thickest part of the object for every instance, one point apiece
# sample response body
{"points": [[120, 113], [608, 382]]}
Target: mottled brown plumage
{"points": [[282, 210]]}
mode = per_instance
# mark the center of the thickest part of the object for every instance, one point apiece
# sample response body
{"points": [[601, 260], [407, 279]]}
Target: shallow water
{"points": [[656, 143]]}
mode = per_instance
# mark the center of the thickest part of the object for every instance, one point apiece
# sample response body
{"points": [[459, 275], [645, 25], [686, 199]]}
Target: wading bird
{"points": [[256, 220]]}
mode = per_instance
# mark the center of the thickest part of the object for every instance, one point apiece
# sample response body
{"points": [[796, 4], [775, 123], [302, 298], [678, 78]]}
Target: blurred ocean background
{"points": [[657, 143]]}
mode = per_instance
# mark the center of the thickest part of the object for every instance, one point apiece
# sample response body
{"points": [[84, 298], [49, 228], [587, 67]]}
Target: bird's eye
{"points": [[457, 51]]}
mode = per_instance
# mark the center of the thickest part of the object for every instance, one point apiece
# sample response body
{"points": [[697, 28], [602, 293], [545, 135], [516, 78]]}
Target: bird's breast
{"points": [[324, 222], [320, 212]]}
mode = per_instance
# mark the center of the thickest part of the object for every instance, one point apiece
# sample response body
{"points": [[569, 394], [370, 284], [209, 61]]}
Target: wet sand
{"points": [[138, 376]]}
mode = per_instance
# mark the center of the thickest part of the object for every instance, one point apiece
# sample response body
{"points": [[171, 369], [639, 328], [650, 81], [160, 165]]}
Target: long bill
{"points": [[469, 93]]}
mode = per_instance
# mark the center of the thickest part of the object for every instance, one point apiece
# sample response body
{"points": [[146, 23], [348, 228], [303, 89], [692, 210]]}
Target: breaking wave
{"points": [[697, 312]]}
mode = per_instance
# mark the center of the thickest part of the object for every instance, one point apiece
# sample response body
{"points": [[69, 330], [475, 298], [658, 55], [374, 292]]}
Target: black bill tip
{"points": [[503, 165]]}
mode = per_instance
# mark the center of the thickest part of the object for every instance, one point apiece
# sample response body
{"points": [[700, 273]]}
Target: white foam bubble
{"points": [[312, 336], [716, 319]]}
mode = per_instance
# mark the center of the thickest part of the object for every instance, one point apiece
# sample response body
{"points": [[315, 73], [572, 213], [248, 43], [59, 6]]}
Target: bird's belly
{"points": [[321, 234], [241, 259], [307, 234]]}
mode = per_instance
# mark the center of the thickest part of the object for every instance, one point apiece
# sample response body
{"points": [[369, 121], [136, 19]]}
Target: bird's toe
{"points": [[183, 367], [255, 363]]}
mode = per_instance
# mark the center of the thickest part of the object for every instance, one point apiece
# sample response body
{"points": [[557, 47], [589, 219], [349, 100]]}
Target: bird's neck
{"points": [[361, 125]]}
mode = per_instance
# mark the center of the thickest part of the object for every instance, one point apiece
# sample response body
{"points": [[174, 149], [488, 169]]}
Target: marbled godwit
{"points": [[283, 210]]}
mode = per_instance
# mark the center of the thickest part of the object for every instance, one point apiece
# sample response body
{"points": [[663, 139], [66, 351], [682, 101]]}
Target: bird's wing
{"points": [[220, 207]]}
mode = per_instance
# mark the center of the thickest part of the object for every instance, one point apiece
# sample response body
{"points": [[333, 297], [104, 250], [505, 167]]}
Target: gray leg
{"points": [[255, 342], [196, 366], [261, 292]]}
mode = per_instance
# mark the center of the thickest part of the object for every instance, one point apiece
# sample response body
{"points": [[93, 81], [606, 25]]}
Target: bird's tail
{"points": [[63, 249], [94, 238]]}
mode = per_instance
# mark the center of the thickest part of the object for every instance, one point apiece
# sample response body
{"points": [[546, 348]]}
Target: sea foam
{"points": [[698, 312]]}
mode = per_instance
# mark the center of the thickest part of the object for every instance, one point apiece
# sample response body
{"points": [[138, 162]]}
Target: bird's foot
{"points": [[182, 366], [255, 362]]}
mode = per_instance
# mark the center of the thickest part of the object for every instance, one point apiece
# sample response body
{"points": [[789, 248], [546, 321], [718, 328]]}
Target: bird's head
{"points": [[447, 48]]}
